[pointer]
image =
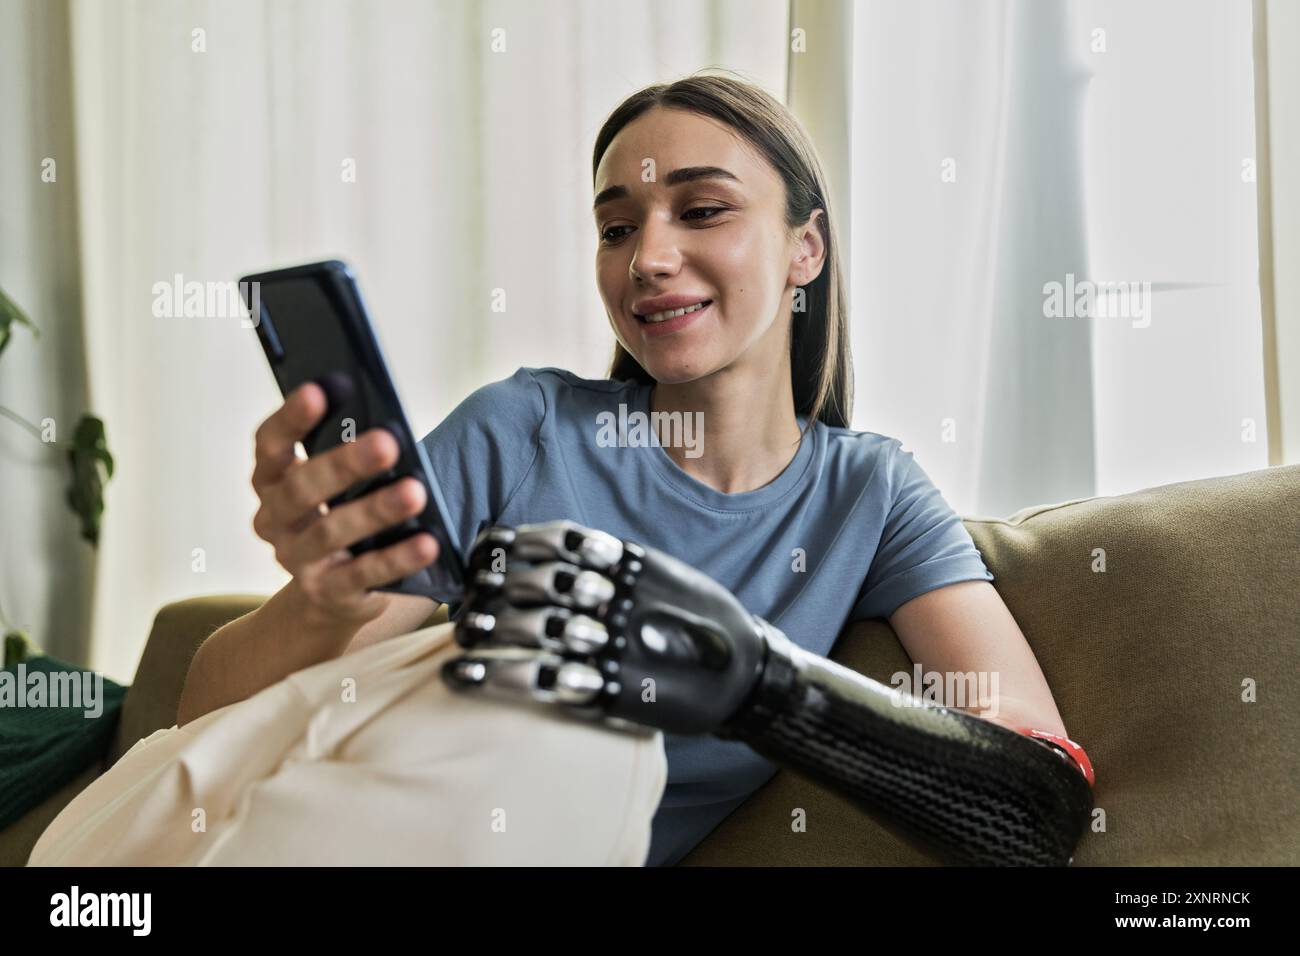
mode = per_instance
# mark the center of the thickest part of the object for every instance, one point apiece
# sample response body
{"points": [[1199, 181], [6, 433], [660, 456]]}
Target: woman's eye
{"points": [[607, 238], [713, 209]]}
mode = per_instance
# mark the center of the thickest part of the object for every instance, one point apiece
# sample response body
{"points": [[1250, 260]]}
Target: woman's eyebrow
{"points": [[686, 174]]}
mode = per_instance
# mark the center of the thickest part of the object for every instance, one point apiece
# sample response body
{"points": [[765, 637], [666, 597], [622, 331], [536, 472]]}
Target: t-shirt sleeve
{"points": [[480, 454], [923, 545]]}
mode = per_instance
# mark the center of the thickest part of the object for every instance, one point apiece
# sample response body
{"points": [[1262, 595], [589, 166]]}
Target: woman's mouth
{"points": [[670, 320]]}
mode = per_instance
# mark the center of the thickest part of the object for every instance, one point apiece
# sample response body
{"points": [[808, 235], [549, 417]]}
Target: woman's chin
{"points": [[675, 362], [667, 372]]}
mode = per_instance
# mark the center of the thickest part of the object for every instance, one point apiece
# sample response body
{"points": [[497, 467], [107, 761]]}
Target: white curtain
{"points": [[965, 147], [46, 570], [1000, 145]]}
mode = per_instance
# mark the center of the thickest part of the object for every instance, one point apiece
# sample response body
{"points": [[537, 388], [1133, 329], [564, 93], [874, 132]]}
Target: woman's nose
{"points": [[656, 251]]}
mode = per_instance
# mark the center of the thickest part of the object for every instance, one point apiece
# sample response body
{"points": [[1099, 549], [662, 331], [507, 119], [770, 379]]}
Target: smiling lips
{"points": [[656, 317], [661, 307], [653, 327]]}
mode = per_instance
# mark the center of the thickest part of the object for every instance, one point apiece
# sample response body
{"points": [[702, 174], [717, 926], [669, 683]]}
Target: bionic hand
{"points": [[624, 634]]}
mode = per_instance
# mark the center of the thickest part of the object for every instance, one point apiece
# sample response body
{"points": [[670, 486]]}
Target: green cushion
{"points": [[43, 747]]}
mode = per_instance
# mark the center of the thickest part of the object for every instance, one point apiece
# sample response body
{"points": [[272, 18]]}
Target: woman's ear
{"points": [[811, 257]]}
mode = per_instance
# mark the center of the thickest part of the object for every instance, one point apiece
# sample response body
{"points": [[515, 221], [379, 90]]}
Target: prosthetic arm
{"points": [[627, 635]]}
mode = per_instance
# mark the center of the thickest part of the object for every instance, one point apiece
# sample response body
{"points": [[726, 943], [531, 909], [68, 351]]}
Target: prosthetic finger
{"points": [[680, 652], [535, 628], [518, 675], [660, 634], [554, 629]]}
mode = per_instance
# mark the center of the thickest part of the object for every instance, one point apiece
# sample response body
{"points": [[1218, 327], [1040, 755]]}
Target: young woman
{"points": [[718, 268]]}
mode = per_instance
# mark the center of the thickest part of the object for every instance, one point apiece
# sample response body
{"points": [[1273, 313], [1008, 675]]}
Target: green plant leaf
{"points": [[11, 315], [16, 648], [91, 465]]}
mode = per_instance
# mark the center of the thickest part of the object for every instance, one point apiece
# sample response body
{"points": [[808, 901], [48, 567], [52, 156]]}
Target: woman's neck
{"points": [[750, 433]]}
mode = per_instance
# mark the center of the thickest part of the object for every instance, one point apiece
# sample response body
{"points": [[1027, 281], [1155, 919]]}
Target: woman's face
{"points": [[695, 234]]}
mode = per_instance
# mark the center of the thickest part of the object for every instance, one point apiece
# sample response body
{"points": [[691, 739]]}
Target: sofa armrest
{"points": [[17, 839], [178, 630], [151, 701]]}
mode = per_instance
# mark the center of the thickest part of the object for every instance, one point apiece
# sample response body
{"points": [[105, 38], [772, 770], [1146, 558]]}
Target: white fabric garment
{"points": [[370, 759]]}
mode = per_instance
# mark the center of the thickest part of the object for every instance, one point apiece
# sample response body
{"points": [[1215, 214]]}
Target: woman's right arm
{"points": [[278, 638], [326, 607]]}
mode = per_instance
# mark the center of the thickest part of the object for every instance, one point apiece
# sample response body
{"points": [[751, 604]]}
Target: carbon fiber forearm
{"points": [[962, 788]]}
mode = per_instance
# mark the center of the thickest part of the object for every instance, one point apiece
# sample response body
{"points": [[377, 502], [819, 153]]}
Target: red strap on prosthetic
{"points": [[1072, 750]]}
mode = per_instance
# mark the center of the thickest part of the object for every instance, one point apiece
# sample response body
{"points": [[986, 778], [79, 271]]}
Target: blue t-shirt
{"points": [[851, 529]]}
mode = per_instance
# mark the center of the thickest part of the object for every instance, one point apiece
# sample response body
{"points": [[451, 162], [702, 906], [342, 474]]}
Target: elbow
{"points": [[1018, 716]]}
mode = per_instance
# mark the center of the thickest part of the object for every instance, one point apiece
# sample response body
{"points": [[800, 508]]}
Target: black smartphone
{"points": [[314, 327]]}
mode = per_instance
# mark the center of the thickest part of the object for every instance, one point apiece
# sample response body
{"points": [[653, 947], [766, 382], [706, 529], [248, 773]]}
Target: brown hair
{"points": [[821, 365]]}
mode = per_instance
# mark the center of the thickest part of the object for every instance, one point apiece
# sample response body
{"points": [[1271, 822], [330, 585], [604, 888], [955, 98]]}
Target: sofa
{"points": [[1166, 622]]}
